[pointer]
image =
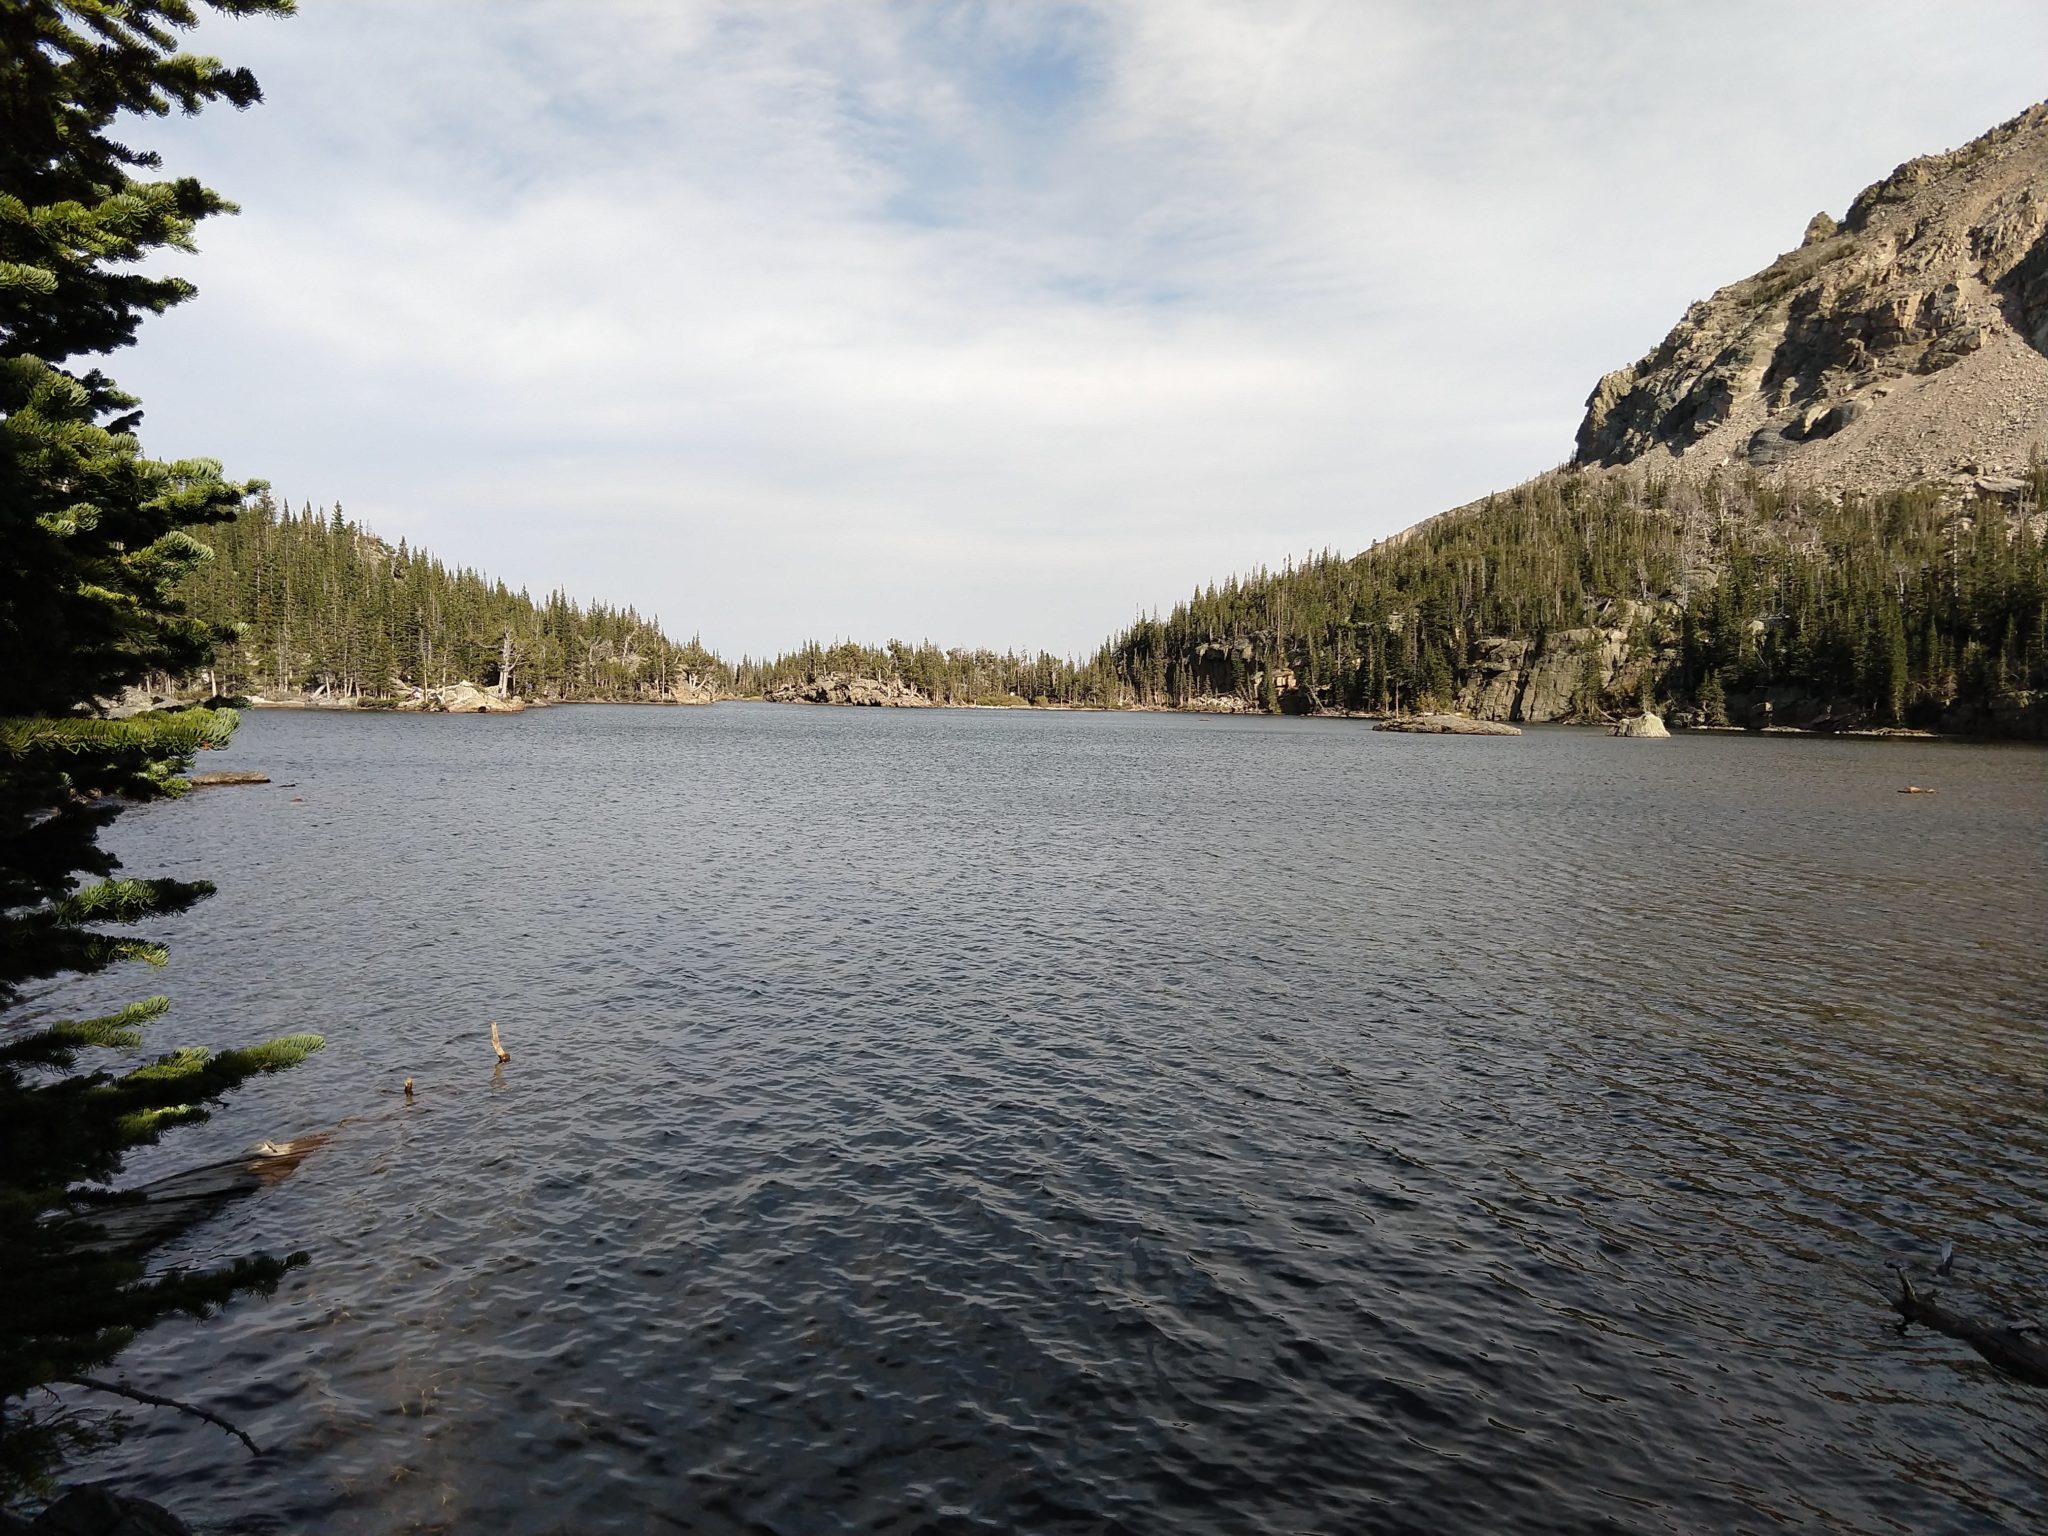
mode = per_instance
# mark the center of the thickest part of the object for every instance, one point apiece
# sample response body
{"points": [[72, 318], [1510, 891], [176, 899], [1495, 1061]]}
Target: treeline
{"points": [[1399, 623], [321, 606], [946, 676], [1921, 605]]}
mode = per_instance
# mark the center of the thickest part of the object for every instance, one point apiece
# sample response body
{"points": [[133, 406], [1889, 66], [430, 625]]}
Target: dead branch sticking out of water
{"points": [[499, 1045], [2018, 1350], [137, 1395]]}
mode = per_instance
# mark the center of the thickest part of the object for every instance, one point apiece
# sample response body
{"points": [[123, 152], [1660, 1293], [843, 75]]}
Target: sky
{"points": [[993, 324]]}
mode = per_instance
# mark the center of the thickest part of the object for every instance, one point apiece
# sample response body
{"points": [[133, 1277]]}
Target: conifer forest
{"points": [[1915, 607]]}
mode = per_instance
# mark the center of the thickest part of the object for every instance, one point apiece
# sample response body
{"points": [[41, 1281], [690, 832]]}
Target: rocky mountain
{"points": [[1821, 501], [1906, 343]]}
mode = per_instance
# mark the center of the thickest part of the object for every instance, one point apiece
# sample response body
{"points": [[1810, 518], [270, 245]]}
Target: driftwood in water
{"points": [[234, 776], [2017, 1350], [499, 1045], [152, 1214]]}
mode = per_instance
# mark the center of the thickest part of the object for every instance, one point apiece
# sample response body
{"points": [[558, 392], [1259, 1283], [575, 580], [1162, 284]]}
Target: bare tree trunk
{"points": [[505, 665]]}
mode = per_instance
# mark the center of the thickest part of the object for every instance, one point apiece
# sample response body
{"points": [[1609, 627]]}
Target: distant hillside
{"points": [[1819, 501], [1584, 594], [956, 677], [320, 606]]}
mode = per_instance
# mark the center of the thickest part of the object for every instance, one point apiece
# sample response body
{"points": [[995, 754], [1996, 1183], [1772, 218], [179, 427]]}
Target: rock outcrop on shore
{"points": [[839, 688], [1563, 675], [1909, 342], [1647, 724], [1446, 725], [690, 690]]}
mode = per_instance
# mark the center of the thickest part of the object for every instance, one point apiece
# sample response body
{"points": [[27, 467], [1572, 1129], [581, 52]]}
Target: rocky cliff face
{"points": [[839, 688], [1908, 342]]}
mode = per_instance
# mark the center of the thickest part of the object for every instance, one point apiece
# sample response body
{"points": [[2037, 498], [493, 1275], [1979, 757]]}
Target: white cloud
{"points": [[989, 324]]}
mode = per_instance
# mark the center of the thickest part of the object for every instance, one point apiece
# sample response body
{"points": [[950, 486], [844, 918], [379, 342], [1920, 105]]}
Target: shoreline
{"points": [[1859, 733]]}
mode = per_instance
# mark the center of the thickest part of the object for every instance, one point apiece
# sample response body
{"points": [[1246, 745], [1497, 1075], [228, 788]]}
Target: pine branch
{"points": [[136, 1394]]}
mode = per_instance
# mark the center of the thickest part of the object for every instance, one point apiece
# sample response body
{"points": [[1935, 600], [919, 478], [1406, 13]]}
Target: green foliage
{"points": [[957, 676], [72, 216], [1713, 700], [93, 548], [311, 602], [1906, 606]]}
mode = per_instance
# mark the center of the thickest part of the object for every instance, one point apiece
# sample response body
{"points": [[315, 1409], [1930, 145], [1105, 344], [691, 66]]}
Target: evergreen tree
{"points": [[93, 543], [1713, 700]]}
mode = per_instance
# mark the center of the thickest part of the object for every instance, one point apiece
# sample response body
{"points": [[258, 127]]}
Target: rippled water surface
{"points": [[976, 1121]]}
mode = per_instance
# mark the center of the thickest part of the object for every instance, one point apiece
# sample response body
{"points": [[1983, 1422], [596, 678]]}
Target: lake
{"points": [[953, 1121]]}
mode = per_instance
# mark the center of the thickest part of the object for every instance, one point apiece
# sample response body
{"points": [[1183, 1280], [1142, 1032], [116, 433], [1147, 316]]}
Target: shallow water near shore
{"points": [[986, 1121]]}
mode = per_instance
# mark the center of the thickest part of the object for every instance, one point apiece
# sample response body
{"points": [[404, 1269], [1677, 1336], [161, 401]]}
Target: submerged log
{"points": [[137, 1220], [234, 776], [2017, 1349]]}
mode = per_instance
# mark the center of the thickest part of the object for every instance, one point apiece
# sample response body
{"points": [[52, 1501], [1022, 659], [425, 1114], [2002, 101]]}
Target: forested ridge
{"points": [[1580, 595], [948, 676], [310, 602], [1726, 591]]}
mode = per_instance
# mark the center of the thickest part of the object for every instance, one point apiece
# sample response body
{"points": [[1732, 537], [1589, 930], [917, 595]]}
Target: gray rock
{"points": [[1446, 725], [1647, 724], [1493, 683], [469, 699], [1557, 674], [1944, 259], [1771, 445], [839, 688], [96, 1510]]}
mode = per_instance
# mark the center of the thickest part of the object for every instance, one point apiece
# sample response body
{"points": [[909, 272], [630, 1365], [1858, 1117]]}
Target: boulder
{"points": [[1446, 725], [96, 1510], [2001, 487], [1648, 723]]}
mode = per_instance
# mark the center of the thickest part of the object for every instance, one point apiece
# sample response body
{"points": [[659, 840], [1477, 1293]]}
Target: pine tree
{"points": [[1713, 700], [96, 543]]}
